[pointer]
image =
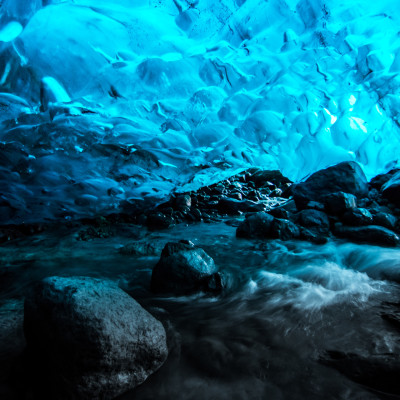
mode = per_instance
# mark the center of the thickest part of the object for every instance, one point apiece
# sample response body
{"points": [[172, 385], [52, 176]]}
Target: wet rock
{"points": [[378, 181], [93, 336], [315, 205], [261, 178], [347, 177], [142, 249], [158, 220], [370, 234], [183, 269], [357, 217], [233, 206], [384, 219], [311, 236], [279, 212], [257, 225], [182, 202], [391, 189], [314, 220], [284, 229], [338, 203]]}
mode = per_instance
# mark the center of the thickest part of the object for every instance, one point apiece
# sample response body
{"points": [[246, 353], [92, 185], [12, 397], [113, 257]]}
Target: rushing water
{"points": [[286, 305]]}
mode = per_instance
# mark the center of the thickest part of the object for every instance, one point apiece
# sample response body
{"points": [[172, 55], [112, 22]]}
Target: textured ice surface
{"points": [[106, 102]]}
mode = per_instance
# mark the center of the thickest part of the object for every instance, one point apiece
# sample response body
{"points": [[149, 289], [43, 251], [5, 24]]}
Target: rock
{"points": [[276, 193], [391, 189], [357, 217], [183, 269], [158, 220], [315, 205], [279, 212], [93, 335], [347, 177], [260, 178], [378, 181], [314, 220], [370, 234], [312, 237], [233, 206], [182, 202], [384, 219], [338, 203], [257, 225], [284, 229], [142, 249]]}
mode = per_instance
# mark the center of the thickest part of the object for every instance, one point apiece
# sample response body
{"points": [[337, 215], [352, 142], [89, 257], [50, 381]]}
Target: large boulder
{"points": [[347, 177], [183, 269], [93, 335]]}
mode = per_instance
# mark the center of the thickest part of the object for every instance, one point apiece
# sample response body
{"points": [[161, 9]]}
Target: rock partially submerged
{"points": [[93, 335], [183, 269]]}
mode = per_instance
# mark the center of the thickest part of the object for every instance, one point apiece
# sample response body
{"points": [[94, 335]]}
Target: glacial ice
{"points": [[107, 103]]}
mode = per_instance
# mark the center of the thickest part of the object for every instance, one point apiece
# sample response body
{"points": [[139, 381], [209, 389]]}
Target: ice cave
{"points": [[199, 199]]}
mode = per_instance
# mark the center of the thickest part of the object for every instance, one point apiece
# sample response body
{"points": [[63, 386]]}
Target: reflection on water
{"points": [[286, 304]]}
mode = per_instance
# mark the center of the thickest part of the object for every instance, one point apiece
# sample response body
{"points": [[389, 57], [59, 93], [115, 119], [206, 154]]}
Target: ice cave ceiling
{"points": [[105, 103]]}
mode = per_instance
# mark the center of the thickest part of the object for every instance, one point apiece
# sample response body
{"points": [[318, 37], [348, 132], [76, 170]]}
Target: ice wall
{"points": [[106, 103]]}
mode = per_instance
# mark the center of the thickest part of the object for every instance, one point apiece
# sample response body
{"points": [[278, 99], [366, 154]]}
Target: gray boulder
{"points": [[92, 335], [183, 269], [345, 177]]}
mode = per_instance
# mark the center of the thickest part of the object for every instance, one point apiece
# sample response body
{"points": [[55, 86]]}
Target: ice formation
{"points": [[107, 103]]}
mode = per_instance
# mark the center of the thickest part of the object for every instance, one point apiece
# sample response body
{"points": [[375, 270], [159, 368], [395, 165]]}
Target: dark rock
{"points": [[315, 205], [142, 249], [93, 336], [384, 219], [276, 193], [279, 212], [378, 181], [233, 206], [158, 220], [284, 229], [182, 202], [260, 178], [391, 189], [312, 237], [183, 269], [338, 203], [370, 234], [257, 225], [314, 220], [347, 177], [357, 217]]}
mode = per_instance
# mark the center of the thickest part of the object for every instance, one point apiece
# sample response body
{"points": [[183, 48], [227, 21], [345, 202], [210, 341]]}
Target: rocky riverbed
{"points": [[293, 294]]}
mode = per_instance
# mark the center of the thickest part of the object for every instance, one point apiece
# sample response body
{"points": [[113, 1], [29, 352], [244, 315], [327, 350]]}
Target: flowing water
{"points": [[287, 305]]}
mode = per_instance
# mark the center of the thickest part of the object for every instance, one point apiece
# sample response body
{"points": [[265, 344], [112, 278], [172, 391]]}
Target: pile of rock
{"points": [[337, 200], [248, 191]]}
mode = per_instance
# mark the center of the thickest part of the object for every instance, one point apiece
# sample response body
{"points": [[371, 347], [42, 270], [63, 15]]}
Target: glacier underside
{"points": [[105, 104]]}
